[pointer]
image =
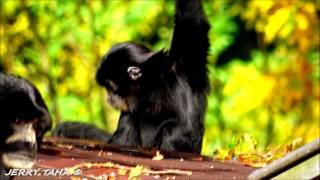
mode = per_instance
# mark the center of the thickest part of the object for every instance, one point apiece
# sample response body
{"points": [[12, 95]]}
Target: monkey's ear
{"points": [[134, 72]]}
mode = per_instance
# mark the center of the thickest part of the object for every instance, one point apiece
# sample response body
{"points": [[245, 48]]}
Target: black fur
{"points": [[166, 105], [21, 103], [161, 95], [67, 129]]}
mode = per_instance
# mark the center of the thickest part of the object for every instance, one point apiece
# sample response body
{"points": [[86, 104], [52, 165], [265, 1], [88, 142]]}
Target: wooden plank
{"points": [[104, 160], [309, 169], [291, 160]]}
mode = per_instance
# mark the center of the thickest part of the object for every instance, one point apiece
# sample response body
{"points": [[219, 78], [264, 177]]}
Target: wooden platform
{"points": [[96, 160]]}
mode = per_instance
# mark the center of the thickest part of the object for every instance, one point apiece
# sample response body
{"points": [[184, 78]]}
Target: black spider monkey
{"points": [[24, 120], [162, 95]]}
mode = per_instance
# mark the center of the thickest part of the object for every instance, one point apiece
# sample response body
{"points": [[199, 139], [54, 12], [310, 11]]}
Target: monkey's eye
{"points": [[19, 121], [134, 72], [111, 85]]}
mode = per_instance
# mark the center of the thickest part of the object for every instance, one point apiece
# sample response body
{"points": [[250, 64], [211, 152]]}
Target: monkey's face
{"points": [[121, 83], [18, 136], [121, 73], [19, 146], [120, 89], [128, 72], [24, 119]]}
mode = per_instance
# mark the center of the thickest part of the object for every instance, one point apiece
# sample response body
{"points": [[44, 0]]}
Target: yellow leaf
{"points": [[276, 22], [3, 48], [21, 24], [223, 154], [263, 6], [309, 7], [136, 172], [122, 172], [244, 92], [286, 30], [158, 156], [302, 22], [253, 160], [246, 144]]}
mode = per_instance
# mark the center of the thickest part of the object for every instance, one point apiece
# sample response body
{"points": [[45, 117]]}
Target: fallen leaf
{"points": [[136, 172], [158, 156], [122, 172]]}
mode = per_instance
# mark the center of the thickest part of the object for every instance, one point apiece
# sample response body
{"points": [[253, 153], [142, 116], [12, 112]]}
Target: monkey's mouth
{"points": [[20, 149], [117, 102], [19, 159]]}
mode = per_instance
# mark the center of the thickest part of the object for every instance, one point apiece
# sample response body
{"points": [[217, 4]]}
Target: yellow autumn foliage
{"points": [[244, 82]]}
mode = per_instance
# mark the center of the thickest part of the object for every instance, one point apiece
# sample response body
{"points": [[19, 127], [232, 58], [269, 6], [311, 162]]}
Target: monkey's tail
{"points": [[76, 130]]}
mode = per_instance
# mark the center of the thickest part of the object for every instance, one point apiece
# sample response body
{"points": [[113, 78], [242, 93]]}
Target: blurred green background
{"points": [[264, 63]]}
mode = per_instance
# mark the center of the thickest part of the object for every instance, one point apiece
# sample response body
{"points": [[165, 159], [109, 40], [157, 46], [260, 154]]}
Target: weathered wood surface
{"points": [[116, 162], [302, 163]]}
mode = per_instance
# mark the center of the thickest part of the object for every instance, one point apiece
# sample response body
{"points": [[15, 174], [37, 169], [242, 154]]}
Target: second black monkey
{"points": [[161, 95]]}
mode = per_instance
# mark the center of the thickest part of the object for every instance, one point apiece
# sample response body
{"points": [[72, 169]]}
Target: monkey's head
{"points": [[130, 70], [20, 114]]}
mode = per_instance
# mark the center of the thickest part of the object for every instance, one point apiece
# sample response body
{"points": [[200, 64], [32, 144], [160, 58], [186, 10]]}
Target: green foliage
{"points": [[273, 94]]}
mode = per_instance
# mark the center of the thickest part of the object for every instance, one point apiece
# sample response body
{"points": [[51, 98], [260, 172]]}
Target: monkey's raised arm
{"points": [[190, 42]]}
